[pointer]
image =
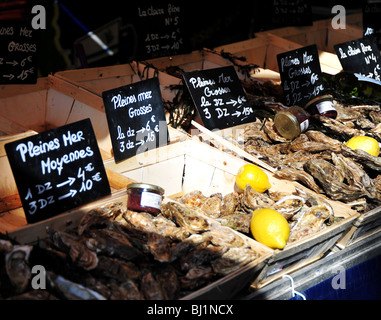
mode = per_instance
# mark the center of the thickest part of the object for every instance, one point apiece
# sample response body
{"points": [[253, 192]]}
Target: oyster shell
{"points": [[17, 267], [185, 217], [239, 221], [99, 216], [292, 174], [252, 200], [289, 205], [331, 180], [233, 259]]}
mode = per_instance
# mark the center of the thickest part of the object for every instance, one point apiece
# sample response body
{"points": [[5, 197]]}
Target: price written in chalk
{"points": [[19, 44], [360, 56], [58, 170], [301, 75], [219, 97], [136, 118]]}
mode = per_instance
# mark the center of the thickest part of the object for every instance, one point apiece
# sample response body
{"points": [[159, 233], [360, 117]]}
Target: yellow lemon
{"points": [[365, 143], [253, 175], [270, 228]]}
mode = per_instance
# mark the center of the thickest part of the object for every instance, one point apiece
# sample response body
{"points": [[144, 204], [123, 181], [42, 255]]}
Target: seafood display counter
{"points": [[199, 172], [200, 245]]}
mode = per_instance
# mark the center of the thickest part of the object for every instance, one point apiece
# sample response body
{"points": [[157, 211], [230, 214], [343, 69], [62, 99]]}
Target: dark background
{"points": [[207, 23]]}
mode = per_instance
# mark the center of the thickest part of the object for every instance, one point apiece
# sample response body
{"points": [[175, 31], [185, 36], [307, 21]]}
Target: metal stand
{"points": [[323, 269]]}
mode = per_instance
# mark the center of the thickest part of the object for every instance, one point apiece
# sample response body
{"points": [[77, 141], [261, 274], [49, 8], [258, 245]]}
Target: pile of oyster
{"points": [[120, 254], [305, 212], [319, 158]]}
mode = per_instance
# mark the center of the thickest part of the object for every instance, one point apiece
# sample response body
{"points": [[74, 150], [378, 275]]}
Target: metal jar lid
{"points": [[146, 187], [287, 125]]}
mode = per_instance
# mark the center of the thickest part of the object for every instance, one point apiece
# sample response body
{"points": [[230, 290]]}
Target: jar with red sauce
{"points": [[292, 122], [144, 197], [323, 106]]}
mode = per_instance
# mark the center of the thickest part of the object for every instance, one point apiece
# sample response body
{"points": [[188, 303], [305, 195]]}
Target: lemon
{"points": [[253, 175], [270, 228], [365, 143]]}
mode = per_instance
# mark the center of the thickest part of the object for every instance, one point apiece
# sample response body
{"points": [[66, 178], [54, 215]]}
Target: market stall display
{"points": [[207, 234]]}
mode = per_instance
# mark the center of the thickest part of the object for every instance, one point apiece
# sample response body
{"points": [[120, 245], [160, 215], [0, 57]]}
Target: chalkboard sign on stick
{"points": [[58, 170], [360, 56], [136, 118], [19, 45], [300, 74], [219, 97]]}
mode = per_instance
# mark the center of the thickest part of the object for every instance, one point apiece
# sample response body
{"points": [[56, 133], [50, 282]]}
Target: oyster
{"points": [[193, 199], [289, 205], [233, 259], [17, 267], [363, 157], [99, 216], [185, 217], [252, 200], [112, 243], [318, 136], [196, 277], [331, 179], [202, 255], [292, 174], [71, 290], [239, 221], [229, 203], [116, 269], [168, 280], [355, 175], [212, 206], [225, 237], [311, 221], [151, 288], [77, 250]]}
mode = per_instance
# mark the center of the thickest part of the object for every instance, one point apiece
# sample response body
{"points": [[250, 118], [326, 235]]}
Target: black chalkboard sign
{"points": [[219, 97], [371, 12], [290, 13], [136, 118], [19, 45], [360, 56], [58, 170], [300, 74], [159, 27]]}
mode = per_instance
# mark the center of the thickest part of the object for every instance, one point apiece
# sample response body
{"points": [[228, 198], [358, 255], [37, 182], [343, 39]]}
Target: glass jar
{"points": [[292, 122], [144, 197], [323, 106]]}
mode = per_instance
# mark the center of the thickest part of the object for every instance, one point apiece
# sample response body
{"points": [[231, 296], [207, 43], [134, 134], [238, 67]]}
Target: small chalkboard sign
{"points": [[19, 45], [290, 13], [136, 118], [371, 12], [58, 170], [360, 56], [159, 27], [219, 97], [300, 74]]}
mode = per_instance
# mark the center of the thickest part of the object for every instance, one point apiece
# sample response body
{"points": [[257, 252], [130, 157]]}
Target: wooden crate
{"points": [[365, 226], [208, 59], [263, 51], [320, 33], [50, 103], [190, 165], [224, 288], [102, 79]]}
